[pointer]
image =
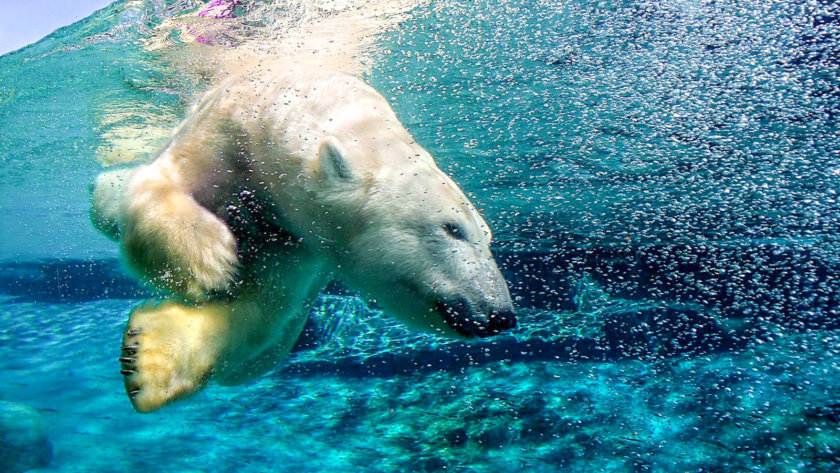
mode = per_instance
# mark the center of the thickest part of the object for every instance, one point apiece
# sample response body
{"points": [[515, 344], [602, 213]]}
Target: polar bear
{"points": [[277, 181]]}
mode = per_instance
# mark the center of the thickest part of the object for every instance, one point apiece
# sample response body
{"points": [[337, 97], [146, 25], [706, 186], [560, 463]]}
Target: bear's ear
{"points": [[333, 163]]}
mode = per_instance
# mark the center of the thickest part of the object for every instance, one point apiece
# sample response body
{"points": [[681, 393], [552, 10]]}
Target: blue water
{"points": [[661, 178]]}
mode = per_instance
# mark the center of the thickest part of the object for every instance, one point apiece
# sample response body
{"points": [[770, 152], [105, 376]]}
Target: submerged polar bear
{"points": [[276, 182]]}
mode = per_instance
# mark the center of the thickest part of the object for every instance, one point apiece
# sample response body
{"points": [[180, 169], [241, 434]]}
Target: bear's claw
{"points": [[127, 362]]}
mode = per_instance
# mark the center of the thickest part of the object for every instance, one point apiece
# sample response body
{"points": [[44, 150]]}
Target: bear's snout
{"points": [[467, 321]]}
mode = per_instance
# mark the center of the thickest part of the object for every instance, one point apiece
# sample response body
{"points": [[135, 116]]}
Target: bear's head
{"points": [[401, 231]]}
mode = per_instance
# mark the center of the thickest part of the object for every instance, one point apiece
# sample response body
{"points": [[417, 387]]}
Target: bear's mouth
{"points": [[467, 321]]}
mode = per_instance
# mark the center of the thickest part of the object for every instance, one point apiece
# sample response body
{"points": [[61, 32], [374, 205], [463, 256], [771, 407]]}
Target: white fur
{"points": [[344, 188]]}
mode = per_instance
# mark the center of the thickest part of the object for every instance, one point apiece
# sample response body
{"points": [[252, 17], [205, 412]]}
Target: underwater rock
{"points": [[829, 412], [23, 439], [794, 284], [62, 280], [663, 331]]}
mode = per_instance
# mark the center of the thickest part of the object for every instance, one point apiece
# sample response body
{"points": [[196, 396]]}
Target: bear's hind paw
{"points": [[168, 352]]}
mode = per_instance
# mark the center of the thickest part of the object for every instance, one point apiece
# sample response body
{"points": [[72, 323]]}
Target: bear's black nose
{"points": [[461, 316], [501, 320]]}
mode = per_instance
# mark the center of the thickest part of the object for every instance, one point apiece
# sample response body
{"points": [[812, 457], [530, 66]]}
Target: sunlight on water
{"points": [[661, 179]]}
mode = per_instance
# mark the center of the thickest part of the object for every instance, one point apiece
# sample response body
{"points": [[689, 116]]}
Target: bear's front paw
{"points": [[187, 250], [210, 259]]}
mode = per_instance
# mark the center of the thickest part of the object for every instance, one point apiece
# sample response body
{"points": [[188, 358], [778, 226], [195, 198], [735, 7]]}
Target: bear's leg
{"points": [[106, 196], [170, 350], [172, 241], [284, 281]]}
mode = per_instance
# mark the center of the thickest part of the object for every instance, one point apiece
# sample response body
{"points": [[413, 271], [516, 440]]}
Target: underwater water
{"points": [[661, 178]]}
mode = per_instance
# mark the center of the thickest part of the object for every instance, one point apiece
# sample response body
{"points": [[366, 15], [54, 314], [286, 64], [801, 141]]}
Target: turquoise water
{"points": [[661, 178]]}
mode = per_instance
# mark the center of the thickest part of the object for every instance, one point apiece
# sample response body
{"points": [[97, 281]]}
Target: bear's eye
{"points": [[453, 230]]}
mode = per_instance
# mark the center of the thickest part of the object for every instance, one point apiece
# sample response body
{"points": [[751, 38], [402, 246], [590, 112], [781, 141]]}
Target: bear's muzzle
{"points": [[470, 322]]}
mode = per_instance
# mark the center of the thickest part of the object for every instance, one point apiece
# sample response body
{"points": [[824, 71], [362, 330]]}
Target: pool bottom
{"points": [[768, 407]]}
